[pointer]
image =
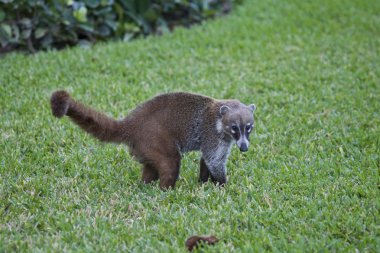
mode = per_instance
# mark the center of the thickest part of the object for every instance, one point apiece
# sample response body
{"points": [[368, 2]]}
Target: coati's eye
{"points": [[248, 128], [234, 129]]}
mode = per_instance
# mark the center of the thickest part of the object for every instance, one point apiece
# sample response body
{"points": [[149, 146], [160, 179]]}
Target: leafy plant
{"points": [[43, 24]]}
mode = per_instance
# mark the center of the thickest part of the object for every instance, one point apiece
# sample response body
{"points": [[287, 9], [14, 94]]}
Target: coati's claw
{"points": [[59, 103]]}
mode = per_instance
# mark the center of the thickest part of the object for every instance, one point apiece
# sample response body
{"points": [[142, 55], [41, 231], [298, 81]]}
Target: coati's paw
{"points": [[60, 102]]}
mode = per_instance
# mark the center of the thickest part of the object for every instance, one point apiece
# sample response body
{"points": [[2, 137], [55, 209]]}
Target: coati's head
{"points": [[237, 122]]}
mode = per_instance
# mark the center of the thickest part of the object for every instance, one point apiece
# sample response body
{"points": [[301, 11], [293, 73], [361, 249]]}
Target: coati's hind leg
{"points": [[162, 165], [149, 174], [168, 169]]}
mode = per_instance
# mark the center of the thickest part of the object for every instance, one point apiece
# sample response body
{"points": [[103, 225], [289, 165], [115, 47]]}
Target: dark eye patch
{"points": [[235, 128]]}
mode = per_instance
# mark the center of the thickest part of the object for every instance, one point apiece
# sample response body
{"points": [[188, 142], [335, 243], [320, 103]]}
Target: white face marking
{"points": [[242, 140], [249, 125], [235, 124], [219, 126], [242, 137]]}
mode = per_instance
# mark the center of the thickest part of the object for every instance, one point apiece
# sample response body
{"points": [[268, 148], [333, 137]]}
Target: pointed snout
{"points": [[243, 147], [243, 144]]}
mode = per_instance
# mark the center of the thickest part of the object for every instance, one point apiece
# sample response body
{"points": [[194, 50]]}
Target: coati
{"points": [[161, 129]]}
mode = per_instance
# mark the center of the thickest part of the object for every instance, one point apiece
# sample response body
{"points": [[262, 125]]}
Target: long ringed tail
{"points": [[93, 122]]}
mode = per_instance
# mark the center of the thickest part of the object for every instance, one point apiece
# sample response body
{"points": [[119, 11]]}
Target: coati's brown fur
{"points": [[161, 129], [195, 241]]}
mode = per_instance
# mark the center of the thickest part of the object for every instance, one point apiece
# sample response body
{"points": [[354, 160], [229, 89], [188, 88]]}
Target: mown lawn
{"points": [[309, 183]]}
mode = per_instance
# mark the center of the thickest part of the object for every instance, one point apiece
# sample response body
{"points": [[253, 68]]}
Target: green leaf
{"points": [[92, 3], [86, 27], [103, 11], [104, 31], [25, 34], [2, 15], [40, 32], [131, 27], [151, 15], [107, 2], [112, 24], [128, 36], [47, 41], [119, 11], [5, 34], [143, 5], [81, 14], [15, 35], [7, 29], [26, 22]]}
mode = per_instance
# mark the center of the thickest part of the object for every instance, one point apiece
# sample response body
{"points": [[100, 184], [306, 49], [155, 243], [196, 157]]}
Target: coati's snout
{"points": [[237, 121], [244, 147]]}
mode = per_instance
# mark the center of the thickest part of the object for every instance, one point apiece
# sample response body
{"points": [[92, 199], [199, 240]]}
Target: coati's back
{"points": [[170, 117]]}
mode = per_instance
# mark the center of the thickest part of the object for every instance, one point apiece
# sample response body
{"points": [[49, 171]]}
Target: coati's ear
{"points": [[252, 107], [224, 109]]}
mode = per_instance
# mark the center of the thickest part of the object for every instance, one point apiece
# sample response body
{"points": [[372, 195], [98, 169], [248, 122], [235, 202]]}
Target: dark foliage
{"points": [[43, 24]]}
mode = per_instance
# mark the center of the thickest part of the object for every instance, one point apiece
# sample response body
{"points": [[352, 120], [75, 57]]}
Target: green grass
{"points": [[310, 181]]}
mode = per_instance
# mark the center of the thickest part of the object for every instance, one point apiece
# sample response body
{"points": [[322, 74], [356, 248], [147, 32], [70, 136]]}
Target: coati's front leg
{"points": [[213, 161], [218, 174], [204, 174], [214, 167]]}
